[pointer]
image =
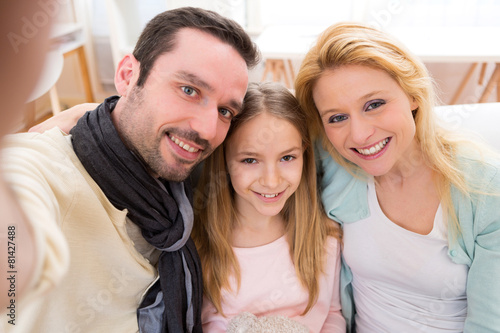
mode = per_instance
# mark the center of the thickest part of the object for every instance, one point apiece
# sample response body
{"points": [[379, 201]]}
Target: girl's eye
{"points": [[287, 158], [374, 105], [337, 118], [189, 91], [249, 161]]}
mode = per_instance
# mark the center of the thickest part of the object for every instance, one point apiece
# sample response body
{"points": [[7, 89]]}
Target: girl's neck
{"points": [[250, 231]]}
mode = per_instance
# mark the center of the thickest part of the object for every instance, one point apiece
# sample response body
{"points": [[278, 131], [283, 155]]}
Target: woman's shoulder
{"points": [[480, 171]]}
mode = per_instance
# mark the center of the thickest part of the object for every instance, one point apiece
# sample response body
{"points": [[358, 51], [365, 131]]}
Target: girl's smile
{"points": [[264, 159]]}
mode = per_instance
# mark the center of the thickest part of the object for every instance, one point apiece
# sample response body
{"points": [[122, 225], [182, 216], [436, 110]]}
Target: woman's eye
{"points": [[189, 91], [337, 118], [287, 158], [374, 105]]}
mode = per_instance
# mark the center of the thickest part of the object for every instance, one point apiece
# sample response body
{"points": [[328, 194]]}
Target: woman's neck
{"points": [[410, 167]]}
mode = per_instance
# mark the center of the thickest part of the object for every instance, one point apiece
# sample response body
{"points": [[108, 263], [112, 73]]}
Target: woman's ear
{"points": [[126, 74], [413, 104]]}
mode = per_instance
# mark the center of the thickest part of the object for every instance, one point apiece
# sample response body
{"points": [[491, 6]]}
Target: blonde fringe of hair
{"points": [[356, 44], [307, 227]]}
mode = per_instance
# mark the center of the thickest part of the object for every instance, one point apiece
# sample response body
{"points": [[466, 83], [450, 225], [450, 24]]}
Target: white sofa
{"points": [[481, 120]]}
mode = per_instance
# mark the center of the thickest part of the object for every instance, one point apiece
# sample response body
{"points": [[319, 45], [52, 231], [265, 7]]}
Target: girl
{"points": [[265, 246], [421, 222]]}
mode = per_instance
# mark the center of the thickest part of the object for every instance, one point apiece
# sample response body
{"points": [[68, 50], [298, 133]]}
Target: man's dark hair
{"points": [[159, 36]]}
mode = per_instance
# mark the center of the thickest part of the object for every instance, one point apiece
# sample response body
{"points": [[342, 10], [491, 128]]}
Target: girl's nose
{"points": [[270, 177]]}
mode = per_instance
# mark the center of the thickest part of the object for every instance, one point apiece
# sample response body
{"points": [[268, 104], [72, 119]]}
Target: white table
{"points": [[431, 44]]}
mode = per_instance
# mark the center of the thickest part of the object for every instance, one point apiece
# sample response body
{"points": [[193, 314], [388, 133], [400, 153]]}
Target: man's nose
{"points": [[204, 122]]}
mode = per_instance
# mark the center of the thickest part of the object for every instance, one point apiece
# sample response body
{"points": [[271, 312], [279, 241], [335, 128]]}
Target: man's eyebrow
{"points": [[237, 106], [195, 80]]}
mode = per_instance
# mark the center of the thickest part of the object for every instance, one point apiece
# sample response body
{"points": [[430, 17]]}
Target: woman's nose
{"points": [[361, 130]]}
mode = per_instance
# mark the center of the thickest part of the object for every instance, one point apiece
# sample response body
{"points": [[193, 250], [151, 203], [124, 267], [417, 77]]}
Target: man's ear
{"points": [[126, 74]]}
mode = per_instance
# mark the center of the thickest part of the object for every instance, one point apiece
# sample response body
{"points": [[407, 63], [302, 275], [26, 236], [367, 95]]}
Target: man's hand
{"points": [[65, 120]]}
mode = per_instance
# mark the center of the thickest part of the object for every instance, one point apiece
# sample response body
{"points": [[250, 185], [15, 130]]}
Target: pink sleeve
{"points": [[335, 322], [212, 321]]}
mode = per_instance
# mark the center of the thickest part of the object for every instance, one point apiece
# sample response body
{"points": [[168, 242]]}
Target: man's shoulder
{"points": [[53, 141], [43, 155]]}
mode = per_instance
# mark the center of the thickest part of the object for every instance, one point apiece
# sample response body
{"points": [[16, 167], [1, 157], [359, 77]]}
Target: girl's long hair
{"points": [[307, 227]]}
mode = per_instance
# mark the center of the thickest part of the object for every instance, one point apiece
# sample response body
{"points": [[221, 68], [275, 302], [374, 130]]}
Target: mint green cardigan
{"points": [[478, 246]]}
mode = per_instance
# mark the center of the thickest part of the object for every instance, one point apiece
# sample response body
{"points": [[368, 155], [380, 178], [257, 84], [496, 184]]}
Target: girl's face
{"points": [[367, 117], [264, 159]]}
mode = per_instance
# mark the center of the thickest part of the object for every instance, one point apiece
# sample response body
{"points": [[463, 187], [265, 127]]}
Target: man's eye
{"points": [[226, 113], [189, 91]]}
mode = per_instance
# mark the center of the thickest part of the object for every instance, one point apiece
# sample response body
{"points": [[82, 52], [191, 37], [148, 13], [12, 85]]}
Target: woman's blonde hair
{"points": [[306, 225], [356, 44]]}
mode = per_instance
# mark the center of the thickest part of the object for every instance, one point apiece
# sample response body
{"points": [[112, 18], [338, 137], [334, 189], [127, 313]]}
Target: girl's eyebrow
{"points": [[291, 150], [254, 153], [248, 153]]}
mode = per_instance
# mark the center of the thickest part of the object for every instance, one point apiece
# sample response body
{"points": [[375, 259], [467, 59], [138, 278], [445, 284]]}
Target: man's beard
{"points": [[147, 149]]}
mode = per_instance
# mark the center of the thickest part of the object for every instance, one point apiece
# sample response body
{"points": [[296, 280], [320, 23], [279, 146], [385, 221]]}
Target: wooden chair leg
{"points": [[82, 62], [494, 80], [498, 89], [269, 64], [292, 73], [282, 70], [29, 116], [54, 100], [462, 85], [85, 75], [278, 70], [481, 75]]}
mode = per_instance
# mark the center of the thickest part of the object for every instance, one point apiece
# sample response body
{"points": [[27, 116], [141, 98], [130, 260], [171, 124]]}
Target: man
{"points": [[109, 208]]}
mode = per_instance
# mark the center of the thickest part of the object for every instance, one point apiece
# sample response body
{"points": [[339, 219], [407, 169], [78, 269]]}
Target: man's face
{"points": [[183, 111]]}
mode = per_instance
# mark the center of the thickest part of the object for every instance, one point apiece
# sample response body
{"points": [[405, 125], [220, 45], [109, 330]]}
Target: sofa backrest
{"points": [[480, 120]]}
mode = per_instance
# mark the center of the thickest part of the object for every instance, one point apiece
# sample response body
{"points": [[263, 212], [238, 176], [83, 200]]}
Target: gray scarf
{"points": [[160, 208]]}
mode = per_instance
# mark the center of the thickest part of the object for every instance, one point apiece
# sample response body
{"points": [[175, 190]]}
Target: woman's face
{"points": [[367, 117]]}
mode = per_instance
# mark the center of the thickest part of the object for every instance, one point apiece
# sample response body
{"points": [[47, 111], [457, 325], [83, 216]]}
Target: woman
{"points": [[418, 206]]}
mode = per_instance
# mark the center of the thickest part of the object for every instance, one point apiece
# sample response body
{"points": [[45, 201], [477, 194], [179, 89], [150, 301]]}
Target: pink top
{"points": [[269, 286]]}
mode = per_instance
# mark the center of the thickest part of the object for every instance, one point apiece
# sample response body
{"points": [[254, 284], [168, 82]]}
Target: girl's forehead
{"points": [[264, 132], [264, 124]]}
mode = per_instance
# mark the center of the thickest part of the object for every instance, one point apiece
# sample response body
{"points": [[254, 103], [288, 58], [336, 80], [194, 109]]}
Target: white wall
{"points": [[256, 14]]}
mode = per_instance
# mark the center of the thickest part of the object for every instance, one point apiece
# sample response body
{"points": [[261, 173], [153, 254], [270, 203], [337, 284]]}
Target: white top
{"points": [[403, 281], [270, 287]]}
